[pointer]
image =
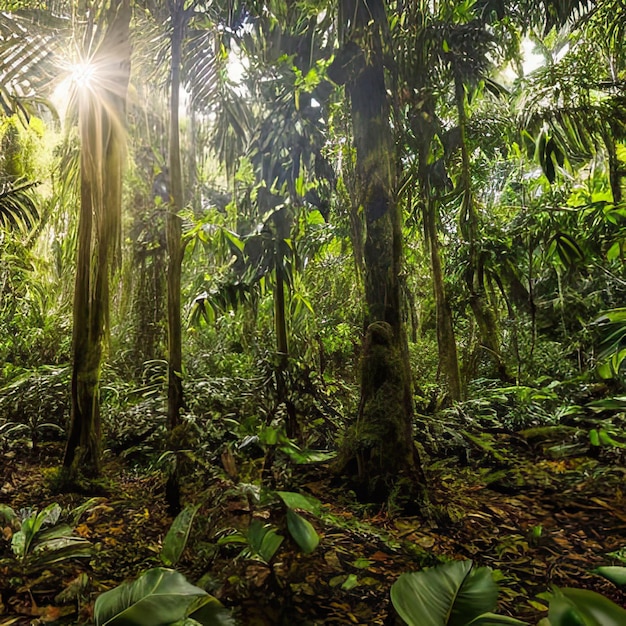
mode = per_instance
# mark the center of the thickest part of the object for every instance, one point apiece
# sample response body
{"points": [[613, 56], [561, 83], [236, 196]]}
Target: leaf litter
{"points": [[535, 520]]}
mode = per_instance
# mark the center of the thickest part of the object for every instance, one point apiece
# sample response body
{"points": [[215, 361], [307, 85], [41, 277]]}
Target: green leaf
{"points": [[491, 619], [7, 514], [607, 440], [159, 597], [594, 437], [77, 513], [263, 540], [451, 594], [302, 531], [300, 501], [614, 251], [350, 583], [580, 607], [209, 611], [615, 573], [177, 536], [57, 550], [616, 403], [18, 544]]}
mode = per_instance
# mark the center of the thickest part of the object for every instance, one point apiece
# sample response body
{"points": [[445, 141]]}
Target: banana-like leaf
{"points": [[177, 536], [491, 619], [452, 594], [302, 531], [159, 597], [580, 607]]}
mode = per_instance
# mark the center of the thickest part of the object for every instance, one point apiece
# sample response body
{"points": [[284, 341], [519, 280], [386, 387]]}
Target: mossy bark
{"points": [[101, 121], [378, 454]]}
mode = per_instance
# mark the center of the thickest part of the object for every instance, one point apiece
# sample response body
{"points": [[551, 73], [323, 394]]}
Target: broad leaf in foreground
{"points": [[580, 607], [159, 597], [615, 573], [452, 594]]}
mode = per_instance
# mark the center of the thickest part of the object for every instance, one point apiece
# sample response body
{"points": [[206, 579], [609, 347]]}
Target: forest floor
{"points": [[536, 520]]}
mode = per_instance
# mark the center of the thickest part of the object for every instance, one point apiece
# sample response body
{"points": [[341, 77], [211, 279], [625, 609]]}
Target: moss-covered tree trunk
{"points": [[101, 120], [379, 451]]}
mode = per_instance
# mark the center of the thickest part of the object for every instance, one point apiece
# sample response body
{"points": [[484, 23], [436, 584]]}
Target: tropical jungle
{"points": [[313, 312]]}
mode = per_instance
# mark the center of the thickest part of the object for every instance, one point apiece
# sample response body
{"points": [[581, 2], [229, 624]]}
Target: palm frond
{"points": [[27, 60], [18, 210], [201, 67]]}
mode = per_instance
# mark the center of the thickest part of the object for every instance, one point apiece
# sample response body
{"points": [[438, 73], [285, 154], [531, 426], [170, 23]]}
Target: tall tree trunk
{"points": [[379, 448], [175, 251], [446, 340], [475, 275], [102, 119]]}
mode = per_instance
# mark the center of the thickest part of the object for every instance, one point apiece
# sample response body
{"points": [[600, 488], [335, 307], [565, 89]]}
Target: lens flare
{"points": [[82, 74]]}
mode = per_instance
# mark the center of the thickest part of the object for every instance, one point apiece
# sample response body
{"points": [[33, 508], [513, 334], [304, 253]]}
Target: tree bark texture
{"points": [[101, 120], [446, 341], [174, 234], [475, 273], [380, 445]]}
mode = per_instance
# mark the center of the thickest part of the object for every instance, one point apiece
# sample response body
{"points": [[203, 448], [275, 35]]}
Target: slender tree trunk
{"points": [[175, 252], [474, 276], [174, 233], [446, 340], [379, 447], [102, 115], [281, 224]]}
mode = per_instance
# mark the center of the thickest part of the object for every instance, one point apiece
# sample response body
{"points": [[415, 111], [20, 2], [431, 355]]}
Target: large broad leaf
{"points": [[491, 619], [159, 597], [302, 531], [452, 594], [615, 573], [208, 611], [580, 607], [294, 500], [176, 538]]}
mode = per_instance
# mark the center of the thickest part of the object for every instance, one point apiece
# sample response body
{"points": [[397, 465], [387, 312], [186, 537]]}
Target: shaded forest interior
{"points": [[313, 313]]}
